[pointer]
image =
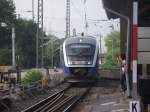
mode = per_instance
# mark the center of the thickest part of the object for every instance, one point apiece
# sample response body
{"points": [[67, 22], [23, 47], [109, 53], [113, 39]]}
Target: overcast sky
{"points": [[55, 14]]}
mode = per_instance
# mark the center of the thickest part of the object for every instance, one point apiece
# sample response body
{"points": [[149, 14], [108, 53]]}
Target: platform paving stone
{"points": [[115, 102]]}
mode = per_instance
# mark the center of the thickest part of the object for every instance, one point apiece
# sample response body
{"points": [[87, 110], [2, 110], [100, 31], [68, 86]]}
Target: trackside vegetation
{"points": [[112, 43], [31, 77]]}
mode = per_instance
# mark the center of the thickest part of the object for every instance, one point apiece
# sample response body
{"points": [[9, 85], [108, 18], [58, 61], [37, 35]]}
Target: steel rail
{"points": [[74, 103], [59, 102], [48, 104], [43, 102]]}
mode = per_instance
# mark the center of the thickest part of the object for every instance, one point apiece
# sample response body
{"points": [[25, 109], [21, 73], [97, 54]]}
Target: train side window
{"points": [[139, 69], [148, 69]]}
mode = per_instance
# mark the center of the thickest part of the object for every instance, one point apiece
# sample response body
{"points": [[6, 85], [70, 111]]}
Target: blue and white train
{"points": [[81, 59]]}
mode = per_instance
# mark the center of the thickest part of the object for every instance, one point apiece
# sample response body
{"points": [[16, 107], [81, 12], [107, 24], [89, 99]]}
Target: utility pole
{"points": [[112, 49], [52, 58], [40, 27], [68, 19], [13, 46], [100, 48], [86, 25], [60, 56], [33, 10]]}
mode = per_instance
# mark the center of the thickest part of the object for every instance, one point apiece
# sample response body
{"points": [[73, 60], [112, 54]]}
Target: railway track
{"points": [[62, 101]]}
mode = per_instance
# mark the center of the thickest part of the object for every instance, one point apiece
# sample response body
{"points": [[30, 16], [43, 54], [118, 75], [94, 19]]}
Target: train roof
{"points": [[87, 39]]}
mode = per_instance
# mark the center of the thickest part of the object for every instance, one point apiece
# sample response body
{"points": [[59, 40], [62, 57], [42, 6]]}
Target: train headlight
{"points": [[89, 62], [69, 62]]}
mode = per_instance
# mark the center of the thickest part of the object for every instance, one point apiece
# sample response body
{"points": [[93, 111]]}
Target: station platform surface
{"points": [[111, 103], [107, 98]]}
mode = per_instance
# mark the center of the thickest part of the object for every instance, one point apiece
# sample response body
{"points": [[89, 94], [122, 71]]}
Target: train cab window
{"points": [[80, 49], [80, 54]]}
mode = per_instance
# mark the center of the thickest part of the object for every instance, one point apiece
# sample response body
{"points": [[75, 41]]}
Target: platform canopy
{"points": [[144, 13], [125, 7], [119, 6]]}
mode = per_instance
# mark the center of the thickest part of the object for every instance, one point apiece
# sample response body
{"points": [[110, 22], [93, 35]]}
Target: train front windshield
{"points": [[80, 54]]}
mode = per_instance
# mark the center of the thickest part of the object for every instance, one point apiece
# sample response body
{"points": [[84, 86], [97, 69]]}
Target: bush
{"points": [[31, 77], [110, 62]]}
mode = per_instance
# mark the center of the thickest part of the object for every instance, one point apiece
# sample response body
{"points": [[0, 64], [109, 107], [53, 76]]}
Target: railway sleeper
{"points": [[28, 93], [5, 103]]}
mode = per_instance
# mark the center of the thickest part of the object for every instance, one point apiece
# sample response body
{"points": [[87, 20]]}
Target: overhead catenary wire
{"points": [[78, 12], [76, 9]]}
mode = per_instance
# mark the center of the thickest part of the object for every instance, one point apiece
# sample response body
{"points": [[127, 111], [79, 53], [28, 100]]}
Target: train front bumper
{"points": [[84, 79]]}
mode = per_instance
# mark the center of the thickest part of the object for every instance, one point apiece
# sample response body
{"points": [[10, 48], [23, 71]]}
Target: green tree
{"points": [[112, 43], [26, 42], [7, 12], [25, 37], [7, 16], [5, 56], [54, 43]]}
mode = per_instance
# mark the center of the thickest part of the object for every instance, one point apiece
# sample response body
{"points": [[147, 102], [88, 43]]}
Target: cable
{"points": [[78, 12]]}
